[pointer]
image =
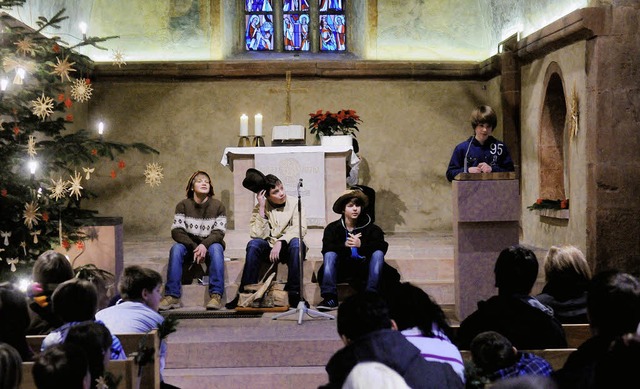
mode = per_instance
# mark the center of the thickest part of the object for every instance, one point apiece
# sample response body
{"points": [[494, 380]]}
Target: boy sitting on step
{"points": [[198, 228]]}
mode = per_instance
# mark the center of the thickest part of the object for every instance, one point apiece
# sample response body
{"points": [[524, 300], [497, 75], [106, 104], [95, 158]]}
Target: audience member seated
{"points": [[137, 312], [567, 276], [75, 301], [95, 340], [101, 279], [526, 382], [495, 359], [527, 323], [10, 367], [370, 335], [62, 366], [374, 375], [50, 269], [423, 322], [613, 306], [618, 368], [353, 248], [14, 320]]}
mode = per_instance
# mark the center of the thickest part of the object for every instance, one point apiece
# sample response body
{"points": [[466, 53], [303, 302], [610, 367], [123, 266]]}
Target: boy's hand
{"points": [[353, 240], [274, 255], [199, 253]]}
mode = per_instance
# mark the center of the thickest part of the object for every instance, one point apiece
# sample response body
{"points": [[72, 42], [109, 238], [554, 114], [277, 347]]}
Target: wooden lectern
{"points": [[486, 214]]}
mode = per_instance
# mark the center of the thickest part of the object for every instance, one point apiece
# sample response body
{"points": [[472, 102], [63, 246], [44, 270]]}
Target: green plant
{"points": [[549, 204], [344, 122]]}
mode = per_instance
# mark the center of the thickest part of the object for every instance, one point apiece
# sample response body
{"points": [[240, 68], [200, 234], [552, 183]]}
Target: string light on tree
{"points": [[100, 128]]}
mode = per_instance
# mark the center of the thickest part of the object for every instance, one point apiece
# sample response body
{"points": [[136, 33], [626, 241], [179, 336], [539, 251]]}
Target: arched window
{"points": [[295, 25]]}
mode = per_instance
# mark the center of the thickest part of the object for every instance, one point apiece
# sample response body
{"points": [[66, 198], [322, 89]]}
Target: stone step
{"points": [[282, 377]]}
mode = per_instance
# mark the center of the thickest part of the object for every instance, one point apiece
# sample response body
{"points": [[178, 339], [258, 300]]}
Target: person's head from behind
{"points": [[75, 300], [141, 285], [361, 314], [491, 351], [618, 368], [374, 375], [95, 340], [275, 190], [613, 303], [101, 279], [199, 184], [516, 270], [61, 366], [51, 268], [567, 265], [10, 367], [410, 306], [14, 319]]}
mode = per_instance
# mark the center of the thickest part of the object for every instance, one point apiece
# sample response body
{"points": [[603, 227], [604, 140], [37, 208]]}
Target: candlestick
{"points": [[244, 125], [258, 124]]}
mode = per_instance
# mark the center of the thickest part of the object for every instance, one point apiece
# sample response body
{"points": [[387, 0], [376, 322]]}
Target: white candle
{"points": [[258, 128], [100, 128], [83, 27], [244, 125]]}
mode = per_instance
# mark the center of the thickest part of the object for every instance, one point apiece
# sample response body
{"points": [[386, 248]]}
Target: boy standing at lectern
{"points": [[274, 229], [481, 153]]}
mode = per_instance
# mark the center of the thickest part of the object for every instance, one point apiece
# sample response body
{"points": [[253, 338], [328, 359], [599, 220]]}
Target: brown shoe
{"points": [[215, 303], [169, 302]]}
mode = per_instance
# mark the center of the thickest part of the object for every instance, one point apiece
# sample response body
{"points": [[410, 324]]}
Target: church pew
{"points": [[150, 374], [555, 356], [125, 369], [576, 334]]}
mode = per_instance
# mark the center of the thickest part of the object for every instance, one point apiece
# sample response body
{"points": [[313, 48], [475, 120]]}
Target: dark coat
{"points": [[391, 348], [526, 326], [579, 369]]}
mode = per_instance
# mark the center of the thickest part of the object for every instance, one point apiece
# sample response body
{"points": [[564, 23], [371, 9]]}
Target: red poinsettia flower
{"points": [[61, 97], [45, 216], [94, 152], [121, 164], [539, 201], [80, 245], [66, 244], [56, 48], [16, 130], [68, 103], [4, 192], [564, 204], [113, 174], [69, 118]]}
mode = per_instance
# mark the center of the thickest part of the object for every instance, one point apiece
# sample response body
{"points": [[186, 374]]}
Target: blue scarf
{"points": [[354, 251]]}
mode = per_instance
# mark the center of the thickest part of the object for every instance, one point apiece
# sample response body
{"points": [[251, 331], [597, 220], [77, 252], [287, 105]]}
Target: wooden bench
{"points": [[150, 378], [555, 356], [575, 334], [126, 369]]}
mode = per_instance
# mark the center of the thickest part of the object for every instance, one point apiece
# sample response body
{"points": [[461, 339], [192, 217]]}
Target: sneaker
{"points": [[169, 302], [328, 304], [233, 303], [215, 303]]}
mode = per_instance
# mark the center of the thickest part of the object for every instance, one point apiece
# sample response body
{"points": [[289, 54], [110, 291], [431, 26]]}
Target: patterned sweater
{"points": [[195, 223]]}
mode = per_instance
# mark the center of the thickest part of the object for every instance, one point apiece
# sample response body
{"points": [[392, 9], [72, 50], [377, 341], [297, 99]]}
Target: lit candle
{"points": [[33, 165], [100, 128], [258, 125], [83, 27], [244, 125], [3, 84]]}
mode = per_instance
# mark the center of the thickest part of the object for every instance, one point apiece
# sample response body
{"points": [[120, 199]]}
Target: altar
{"points": [[321, 168]]}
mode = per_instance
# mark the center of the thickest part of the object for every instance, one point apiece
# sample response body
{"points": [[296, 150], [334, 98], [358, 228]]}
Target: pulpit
{"points": [[486, 214], [323, 170]]}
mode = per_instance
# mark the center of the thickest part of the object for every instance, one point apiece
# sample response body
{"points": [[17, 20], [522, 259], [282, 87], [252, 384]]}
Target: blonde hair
{"points": [[565, 258]]}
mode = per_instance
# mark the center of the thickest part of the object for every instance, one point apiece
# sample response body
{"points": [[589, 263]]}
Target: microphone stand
{"points": [[302, 307]]}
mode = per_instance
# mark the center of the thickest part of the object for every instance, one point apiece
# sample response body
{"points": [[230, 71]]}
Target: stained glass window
{"points": [[295, 25], [333, 26], [258, 25]]}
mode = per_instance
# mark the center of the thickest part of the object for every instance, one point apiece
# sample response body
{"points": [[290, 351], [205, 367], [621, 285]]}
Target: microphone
{"points": [[300, 183], [466, 167]]}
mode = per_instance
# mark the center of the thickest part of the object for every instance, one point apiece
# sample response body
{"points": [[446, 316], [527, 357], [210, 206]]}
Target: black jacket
{"points": [[391, 348], [372, 239]]}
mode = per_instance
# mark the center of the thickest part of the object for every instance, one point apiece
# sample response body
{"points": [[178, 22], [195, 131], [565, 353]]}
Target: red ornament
{"points": [[3, 192], [69, 118], [113, 174], [94, 152], [68, 103], [56, 48], [80, 245], [61, 97], [45, 217], [121, 164], [66, 244], [16, 130], [88, 81]]}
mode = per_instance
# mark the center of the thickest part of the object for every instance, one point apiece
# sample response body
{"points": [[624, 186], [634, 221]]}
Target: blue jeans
{"points": [[331, 264], [258, 251], [179, 253]]}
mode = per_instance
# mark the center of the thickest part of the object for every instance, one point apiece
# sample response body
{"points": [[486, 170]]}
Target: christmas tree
{"points": [[43, 161]]}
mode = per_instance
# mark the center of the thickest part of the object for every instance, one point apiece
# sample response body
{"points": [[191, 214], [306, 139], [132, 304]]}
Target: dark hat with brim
{"points": [[338, 206], [254, 180]]}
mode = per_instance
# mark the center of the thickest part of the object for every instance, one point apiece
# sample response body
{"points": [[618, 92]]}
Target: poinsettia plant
{"points": [[344, 122], [550, 204]]}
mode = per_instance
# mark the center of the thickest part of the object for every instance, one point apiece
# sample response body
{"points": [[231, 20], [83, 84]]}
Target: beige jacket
{"points": [[279, 224]]}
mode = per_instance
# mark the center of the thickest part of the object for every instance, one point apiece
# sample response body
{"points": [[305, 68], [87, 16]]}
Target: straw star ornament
{"points": [[62, 68], [42, 107], [58, 189], [74, 185]]}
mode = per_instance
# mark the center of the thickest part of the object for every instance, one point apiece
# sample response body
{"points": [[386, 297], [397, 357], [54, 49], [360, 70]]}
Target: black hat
{"points": [[254, 180], [347, 195]]}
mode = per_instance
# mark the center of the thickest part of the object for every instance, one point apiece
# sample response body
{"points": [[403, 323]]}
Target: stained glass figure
{"points": [[330, 5], [296, 32], [258, 6], [295, 5], [259, 32], [333, 33]]}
